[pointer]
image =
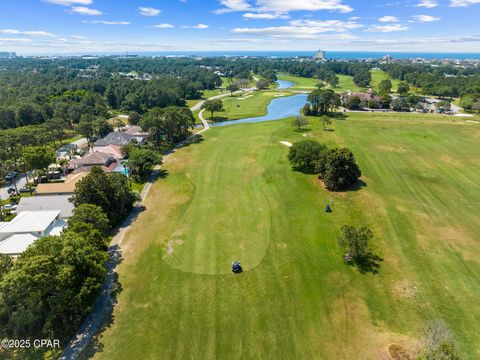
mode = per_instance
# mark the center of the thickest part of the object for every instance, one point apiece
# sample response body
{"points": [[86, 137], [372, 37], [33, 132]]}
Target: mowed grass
{"points": [[346, 84], [307, 84], [246, 105], [378, 76], [300, 83], [234, 196]]}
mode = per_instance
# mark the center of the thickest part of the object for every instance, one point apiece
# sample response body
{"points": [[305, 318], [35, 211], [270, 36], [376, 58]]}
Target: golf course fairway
{"points": [[234, 196]]}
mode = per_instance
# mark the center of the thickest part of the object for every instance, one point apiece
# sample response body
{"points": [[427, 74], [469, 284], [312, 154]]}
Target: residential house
{"points": [[106, 161], [363, 96], [136, 131], [26, 228], [114, 150], [61, 188], [47, 203], [119, 138], [66, 151]]}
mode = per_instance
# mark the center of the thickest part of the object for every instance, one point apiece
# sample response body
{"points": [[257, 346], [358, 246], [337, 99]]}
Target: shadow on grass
{"points": [[368, 264], [218, 118], [339, 116], [359, 185], [301, 131]]}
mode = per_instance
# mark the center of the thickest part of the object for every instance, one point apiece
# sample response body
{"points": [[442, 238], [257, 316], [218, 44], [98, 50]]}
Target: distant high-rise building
{"points": [[387, 58], [7, 55], [320, 55]]}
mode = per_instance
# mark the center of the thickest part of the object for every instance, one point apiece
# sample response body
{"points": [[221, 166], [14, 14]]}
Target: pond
{"points": [[282, 84], [279, 108]]}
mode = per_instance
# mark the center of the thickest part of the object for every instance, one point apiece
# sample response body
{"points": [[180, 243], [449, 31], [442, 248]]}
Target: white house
{"points": [[27, 227], [47, 203]]}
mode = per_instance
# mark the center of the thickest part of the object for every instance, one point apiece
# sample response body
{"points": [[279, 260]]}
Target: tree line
{"points": [[48, 291]]}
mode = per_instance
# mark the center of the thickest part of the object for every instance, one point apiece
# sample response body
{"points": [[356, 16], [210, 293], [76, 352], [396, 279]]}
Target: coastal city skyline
{"points": [[30, 27]]}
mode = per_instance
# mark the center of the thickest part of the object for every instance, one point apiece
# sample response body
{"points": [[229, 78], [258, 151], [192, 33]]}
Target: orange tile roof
{"points": [[67, 187]]}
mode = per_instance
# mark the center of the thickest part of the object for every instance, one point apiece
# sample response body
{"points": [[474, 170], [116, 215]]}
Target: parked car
{"points": [[24, 190], [9, 207], [10, 176]]}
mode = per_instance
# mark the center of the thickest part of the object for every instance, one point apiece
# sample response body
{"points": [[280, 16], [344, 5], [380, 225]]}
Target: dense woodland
{"points": [[41, 100], [33, 91]]}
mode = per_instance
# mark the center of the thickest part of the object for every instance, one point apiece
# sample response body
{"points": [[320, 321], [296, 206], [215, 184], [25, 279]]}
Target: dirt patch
{"points": [[405, 289], [449, 160], [170, 248], [281, 245], [389, 148], [399, 352]]}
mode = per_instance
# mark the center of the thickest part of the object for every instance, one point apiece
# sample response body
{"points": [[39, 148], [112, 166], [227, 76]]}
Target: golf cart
{"points": [[236, 267]]}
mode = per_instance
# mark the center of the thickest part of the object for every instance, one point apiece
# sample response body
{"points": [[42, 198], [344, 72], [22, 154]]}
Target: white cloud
{"points": [[14, 40], [420, 41], [264, 16], [233, 5], [200, 26], [82, 10], [163, 26], [305, 29], [283, 6], [353, 18], [149, 11], [427, 4], [106, 22], [28, 33], [388, 19], [69, 2], [425, 18], [463, 3], [387, 28]]}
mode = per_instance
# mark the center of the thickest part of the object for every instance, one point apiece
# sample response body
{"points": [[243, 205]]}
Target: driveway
{"points": [[21, 182]]}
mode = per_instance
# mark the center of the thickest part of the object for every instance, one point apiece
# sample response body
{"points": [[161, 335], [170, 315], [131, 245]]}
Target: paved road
{"points": [[198, 106], [21, 182], [205, 123], [105, 302]]}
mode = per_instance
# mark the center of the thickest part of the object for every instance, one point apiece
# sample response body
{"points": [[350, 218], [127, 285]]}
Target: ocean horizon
{"points": [[360, 55], [329, 54]]}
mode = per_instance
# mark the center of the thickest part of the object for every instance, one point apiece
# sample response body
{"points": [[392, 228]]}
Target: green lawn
{"points": [[307, 84], [301, 83], [235, 197], [251, 104], [378, 76], [346, 84]]}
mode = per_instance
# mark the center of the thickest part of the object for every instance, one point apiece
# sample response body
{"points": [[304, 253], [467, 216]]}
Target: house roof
{"points": [[80, 143], [94, 158], [364, 96], [115, 138], [51, 202], [86, 169], [135, 130], [16, 244], [67, 187], [113, 150], [30, 221]]}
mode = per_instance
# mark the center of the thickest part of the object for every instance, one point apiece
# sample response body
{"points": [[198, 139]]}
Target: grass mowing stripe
{"points": [[301, 301]]}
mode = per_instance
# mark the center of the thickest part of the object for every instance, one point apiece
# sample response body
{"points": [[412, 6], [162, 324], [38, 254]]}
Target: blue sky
{"points": [[80, 26]]}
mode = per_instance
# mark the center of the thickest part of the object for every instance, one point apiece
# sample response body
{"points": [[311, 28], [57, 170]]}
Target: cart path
{"points": [[105, 302]]}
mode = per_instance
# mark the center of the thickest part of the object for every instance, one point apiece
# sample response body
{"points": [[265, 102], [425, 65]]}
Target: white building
{"points": [[320, 55], [27, 227]]}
